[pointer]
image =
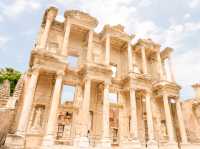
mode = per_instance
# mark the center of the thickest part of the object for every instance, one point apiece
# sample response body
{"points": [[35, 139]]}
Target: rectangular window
{"points": [[67, 93], [114, 70], [73, 61], [113, 97]]}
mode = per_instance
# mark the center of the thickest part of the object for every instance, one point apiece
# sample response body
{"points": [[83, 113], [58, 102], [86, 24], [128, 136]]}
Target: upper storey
{"points": [[112, 47]]}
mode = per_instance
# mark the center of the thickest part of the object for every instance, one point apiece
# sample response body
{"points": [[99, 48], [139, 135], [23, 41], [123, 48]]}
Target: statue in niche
{"points": [[37, 122], [163, 130], [67, 129]]}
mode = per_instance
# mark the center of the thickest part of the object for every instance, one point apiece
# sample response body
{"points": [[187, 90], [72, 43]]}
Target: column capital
{"points": [[35, 69], [51, 13], [107, 82], [60, 74]]}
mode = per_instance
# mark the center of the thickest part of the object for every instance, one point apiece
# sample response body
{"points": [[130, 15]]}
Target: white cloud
{"points": [[18, 7], [3, 41], [194, 3], [60, 18], [187, 15]]}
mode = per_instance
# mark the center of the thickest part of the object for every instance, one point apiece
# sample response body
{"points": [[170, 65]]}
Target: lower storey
{"points": [[18, 142]]}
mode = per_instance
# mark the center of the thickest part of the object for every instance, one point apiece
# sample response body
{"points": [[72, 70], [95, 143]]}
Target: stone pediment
{"points": [[81, 16]]}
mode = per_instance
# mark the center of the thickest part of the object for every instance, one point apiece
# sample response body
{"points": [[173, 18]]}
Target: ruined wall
{"points": [[4, 93], [190, 110]]}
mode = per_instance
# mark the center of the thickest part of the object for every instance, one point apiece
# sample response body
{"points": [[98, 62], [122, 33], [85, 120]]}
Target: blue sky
{"points": [[174, 23]]}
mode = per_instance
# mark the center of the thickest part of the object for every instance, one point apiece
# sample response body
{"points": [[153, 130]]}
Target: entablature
{"points": [[81, 18], [165, 87]]}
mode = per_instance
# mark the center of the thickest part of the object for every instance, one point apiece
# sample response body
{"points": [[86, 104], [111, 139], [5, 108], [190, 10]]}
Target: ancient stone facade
{"points": [[147, 113]]}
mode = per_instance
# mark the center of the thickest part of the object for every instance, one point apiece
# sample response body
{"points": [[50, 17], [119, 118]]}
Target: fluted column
{"points": [[159, 65], [51, 14], [85, 107], [171, 69], [121, 117], [149, 116], [144, 60], [28, 100], [106, 135], [52, 118], [168, 118], [107, 52], [90, 40], [164, 70], [133, 124], [66, 38], [130, 57], [181, 122]]}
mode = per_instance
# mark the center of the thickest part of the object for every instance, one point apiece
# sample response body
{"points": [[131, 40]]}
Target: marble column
{"points": [[149, 116], [181, 122], [52, 118], [171, 69], [159, 65], [106, 142], [144, 60], [121, 117], [90, 40], [168, 118], [133, 123], [130, 57], [66, 38], [107, 52], [28, 100], [51, 14], [164, 70], [85, 116]]}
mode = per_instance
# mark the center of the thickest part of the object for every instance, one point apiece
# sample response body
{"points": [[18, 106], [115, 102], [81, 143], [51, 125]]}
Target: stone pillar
{"points": [[133, 124], [106, 142], [164, 70], [171, 69], [181, 122], [90, 40], [52, 119], [151, 138], [168, 118], [130, 57], [121, 117], [66, 38], [107, 52], [50, 16], [84, 119], [149, 116], [159, 65], [144, 60], [28, 100]]}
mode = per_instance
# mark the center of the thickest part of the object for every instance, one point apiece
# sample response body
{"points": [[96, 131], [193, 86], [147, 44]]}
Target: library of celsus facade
{"points": [[146, 112]]}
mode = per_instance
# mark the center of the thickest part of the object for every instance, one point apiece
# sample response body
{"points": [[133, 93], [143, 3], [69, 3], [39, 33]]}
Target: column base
{"points": [[48, 142], [133, 144], [105, 143], [14, 141], [170, 145], [81, 143], [188, 145], [152, 144]]}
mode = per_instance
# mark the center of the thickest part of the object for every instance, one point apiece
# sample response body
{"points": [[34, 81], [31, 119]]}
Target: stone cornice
{"points": [[147, 44], [82, 17], [116, 31], [166, 53]]}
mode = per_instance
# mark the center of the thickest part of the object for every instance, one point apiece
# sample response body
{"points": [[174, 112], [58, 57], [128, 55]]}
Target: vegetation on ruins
{"points": [[10, 74]]}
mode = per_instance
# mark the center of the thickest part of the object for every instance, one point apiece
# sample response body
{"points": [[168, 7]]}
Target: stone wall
{"points": [[4, 93]]}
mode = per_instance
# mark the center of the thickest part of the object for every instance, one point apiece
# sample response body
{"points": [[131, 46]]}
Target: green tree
{"points": [[10, 74]]}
